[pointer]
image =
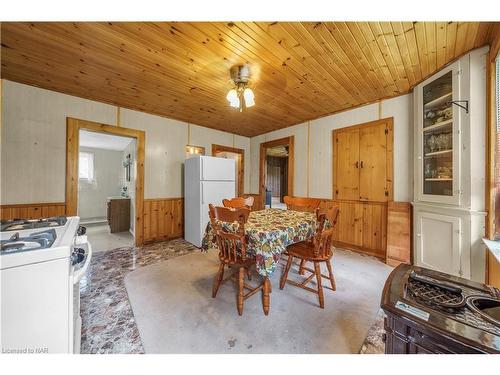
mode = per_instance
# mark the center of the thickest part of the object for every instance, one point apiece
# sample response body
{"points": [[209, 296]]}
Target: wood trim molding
{"points": [[73, 127], [490, 147], [287, 141], [241, 163]]}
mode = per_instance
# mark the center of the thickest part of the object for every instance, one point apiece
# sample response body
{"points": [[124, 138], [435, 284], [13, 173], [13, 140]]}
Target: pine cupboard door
{"points": [[346, 156], [373, 163]]}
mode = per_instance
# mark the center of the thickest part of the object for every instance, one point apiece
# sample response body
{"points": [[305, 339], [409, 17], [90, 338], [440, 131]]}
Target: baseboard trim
{"points": [[358, 249]]}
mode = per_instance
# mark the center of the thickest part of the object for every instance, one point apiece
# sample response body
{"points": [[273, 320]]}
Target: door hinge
{"points": [[336, 192], [337, 140], [386, 193], [386, 131]]}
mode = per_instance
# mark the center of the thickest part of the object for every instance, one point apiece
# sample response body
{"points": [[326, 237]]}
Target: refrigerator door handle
{"points": [[202, 195], [202, 169]]}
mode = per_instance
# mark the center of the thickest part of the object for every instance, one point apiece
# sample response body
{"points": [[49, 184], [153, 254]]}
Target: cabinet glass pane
{"points": [[438, 136]]}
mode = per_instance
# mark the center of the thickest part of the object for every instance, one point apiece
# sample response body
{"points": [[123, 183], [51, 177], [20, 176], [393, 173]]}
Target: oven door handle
{"points": [[81, 271]]}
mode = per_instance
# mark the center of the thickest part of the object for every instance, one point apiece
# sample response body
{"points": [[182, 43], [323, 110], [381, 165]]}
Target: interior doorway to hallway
{"points": [[276, 171]]}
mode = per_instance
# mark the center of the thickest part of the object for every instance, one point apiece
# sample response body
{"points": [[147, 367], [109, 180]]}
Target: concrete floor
{"points": [[102, 240], [175, 312]]}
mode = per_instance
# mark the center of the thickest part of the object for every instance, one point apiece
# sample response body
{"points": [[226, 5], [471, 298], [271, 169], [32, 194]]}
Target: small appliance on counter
{"points": [[41, 263], [433, 312]]}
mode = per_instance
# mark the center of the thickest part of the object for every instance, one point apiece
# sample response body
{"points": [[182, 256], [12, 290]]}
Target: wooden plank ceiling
{"points": [[300, 70]]}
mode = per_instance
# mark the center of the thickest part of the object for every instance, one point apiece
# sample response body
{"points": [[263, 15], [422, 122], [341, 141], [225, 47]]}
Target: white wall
{"points": [[34, 140], [33, 144], [108, 180], [319, 169]]}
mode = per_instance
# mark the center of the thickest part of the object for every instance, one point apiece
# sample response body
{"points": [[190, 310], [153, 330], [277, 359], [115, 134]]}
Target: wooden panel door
{"points": [[373, 163], [346, 156]]}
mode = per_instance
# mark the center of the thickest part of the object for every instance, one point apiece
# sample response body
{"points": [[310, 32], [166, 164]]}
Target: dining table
{"points": [[268, 233]]}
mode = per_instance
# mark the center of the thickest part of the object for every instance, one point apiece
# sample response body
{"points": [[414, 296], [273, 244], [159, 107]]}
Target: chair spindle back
{"points": [[232, 245], [301, 204], [323, 238], [239, 202]]}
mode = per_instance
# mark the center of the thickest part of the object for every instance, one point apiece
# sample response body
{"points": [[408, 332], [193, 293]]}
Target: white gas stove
{"points": [[41, 264]]}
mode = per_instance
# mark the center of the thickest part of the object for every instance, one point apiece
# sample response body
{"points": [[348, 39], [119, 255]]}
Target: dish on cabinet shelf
{"points": [[439, 101], [437, 142]]}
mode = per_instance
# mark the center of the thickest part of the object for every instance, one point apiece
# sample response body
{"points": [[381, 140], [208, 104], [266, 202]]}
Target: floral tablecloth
{"points": [[268, 233]]}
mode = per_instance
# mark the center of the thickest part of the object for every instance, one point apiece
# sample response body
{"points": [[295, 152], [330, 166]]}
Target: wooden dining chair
{"points": [[239, 202], [301, 204], [317, 251], [232, 250]]}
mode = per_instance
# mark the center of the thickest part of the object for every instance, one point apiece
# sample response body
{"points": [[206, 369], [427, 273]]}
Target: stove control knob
{"points": [[81, 230], [77, 256]]}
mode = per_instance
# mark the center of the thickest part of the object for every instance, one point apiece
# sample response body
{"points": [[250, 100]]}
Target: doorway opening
{"points": [[104, 182], [276, 172], [238, 155], [276, 176], [106, 188]]}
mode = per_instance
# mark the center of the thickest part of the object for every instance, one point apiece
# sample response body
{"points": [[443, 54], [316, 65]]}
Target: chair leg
{"points": [[218, 280], [332, 278], [241, 281], [285, 273], [317, 270], [301, 267]]}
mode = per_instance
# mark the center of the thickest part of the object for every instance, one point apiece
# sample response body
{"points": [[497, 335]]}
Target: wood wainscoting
{"points": [[31, 210], [361, 226], [163, 219]]}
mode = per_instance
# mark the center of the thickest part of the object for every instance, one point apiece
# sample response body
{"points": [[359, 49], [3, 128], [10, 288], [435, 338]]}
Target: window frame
{"points": [[90, 160]]}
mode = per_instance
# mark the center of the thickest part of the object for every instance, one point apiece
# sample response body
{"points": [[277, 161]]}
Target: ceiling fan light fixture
{"points": [[232, 95], [241, 96], [232, 98], [235, 103], [249, 97]]}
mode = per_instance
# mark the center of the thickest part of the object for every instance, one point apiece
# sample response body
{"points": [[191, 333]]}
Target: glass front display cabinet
{"points": [[439, 138]]}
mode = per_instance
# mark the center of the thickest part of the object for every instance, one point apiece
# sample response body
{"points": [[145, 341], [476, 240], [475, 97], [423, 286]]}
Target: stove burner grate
{"points": [[448, 303], [435, 296], [38, 240], [22, 224]]}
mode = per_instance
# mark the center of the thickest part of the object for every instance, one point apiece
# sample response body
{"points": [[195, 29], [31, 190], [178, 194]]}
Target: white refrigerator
{"points": [[206, 180]]}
